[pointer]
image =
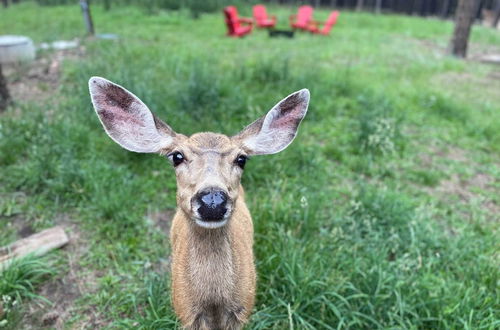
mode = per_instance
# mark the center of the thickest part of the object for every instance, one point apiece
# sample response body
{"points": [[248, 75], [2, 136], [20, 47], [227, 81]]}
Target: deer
{"points": [[213, 277]]}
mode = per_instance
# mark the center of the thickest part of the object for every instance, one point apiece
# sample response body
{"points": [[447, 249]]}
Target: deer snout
{"points": [[212, 204]]}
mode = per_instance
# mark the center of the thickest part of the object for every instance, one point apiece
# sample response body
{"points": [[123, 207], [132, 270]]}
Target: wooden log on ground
{"points": [[37, 244]]}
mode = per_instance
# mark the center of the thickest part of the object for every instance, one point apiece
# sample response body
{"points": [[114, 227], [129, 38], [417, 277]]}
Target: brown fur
{"points": [[213, 273]]}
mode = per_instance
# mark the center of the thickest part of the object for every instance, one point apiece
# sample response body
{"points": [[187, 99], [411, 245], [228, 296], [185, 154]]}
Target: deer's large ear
{"points": [[126, 119], [276, 130]]}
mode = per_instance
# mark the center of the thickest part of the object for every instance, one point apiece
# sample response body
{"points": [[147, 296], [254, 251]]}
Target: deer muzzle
{"points": [[211, 205]]}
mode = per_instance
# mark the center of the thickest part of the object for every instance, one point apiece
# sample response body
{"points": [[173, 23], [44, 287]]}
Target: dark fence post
{"points": [[87, 17], [497, 15]]}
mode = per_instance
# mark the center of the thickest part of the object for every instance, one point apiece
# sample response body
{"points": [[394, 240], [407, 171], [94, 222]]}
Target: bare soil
{"points": [[63, 291], [478, 188], [39, 80]]}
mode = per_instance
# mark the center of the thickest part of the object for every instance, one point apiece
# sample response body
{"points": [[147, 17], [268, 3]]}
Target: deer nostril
{"points": [[213, 198], [212, 204]]}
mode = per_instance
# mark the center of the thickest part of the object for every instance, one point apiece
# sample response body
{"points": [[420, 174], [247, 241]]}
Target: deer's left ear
{"points": [[276, 130]]}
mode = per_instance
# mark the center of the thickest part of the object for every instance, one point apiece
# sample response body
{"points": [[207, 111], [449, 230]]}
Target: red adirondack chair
{"points": [[261, 18], [327, 26], [236, 26], [302, 19]]}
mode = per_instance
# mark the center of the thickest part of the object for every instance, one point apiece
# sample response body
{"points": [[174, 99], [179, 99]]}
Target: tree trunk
{"points": [[87, 17], [4, 92], [5, 3], [359, 5], [378, 6], [464, 17]]}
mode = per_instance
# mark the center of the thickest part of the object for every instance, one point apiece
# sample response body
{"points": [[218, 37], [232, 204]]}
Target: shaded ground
{"points": [[478, 187], [40, 80]]}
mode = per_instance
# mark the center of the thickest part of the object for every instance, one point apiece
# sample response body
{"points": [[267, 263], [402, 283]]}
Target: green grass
{"points": [[18, 282], [373, 218]]}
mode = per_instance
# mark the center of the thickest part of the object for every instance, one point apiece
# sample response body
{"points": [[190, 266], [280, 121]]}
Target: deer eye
{"points": [[176, 157], [241, 161]]}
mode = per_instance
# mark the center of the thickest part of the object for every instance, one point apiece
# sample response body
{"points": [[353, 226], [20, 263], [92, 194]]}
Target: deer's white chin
{"points": [[211, 224]]}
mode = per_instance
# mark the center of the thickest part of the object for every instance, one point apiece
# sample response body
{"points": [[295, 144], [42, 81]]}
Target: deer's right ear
{"points": [[126, 119]]}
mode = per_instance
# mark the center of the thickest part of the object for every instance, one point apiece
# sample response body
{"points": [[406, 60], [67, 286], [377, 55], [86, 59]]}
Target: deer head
{"points": [[208, 166]]}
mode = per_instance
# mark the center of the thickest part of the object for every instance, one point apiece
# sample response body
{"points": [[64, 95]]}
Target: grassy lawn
{"points": [[383, 213]]}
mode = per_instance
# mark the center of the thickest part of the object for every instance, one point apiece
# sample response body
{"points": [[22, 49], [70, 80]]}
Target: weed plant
{"points": [[18, 281]]}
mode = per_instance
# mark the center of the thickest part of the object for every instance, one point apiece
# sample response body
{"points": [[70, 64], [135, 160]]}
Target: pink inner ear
{"points": [[289, 113], [115, 107], [289, 118]]}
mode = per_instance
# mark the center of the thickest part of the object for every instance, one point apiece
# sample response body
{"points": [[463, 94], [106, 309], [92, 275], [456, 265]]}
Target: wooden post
{"points": [[464, 17], [5, 98], [87, 17], [497, 15], [37, 244]]}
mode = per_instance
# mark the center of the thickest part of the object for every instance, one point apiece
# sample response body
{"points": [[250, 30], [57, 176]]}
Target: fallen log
{"points": [[37, 244]]}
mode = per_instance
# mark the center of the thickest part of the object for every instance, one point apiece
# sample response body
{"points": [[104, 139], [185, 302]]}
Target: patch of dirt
{"points": [[467, 79], [464, 189], [477, 51], [435, 47], [39, 80], [454, 154], [25, 231], [495, 75], [64, 290], [163, 221]]}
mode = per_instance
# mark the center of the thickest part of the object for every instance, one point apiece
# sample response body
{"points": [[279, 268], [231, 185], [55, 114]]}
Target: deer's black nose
{"points": [[212, 204]]}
